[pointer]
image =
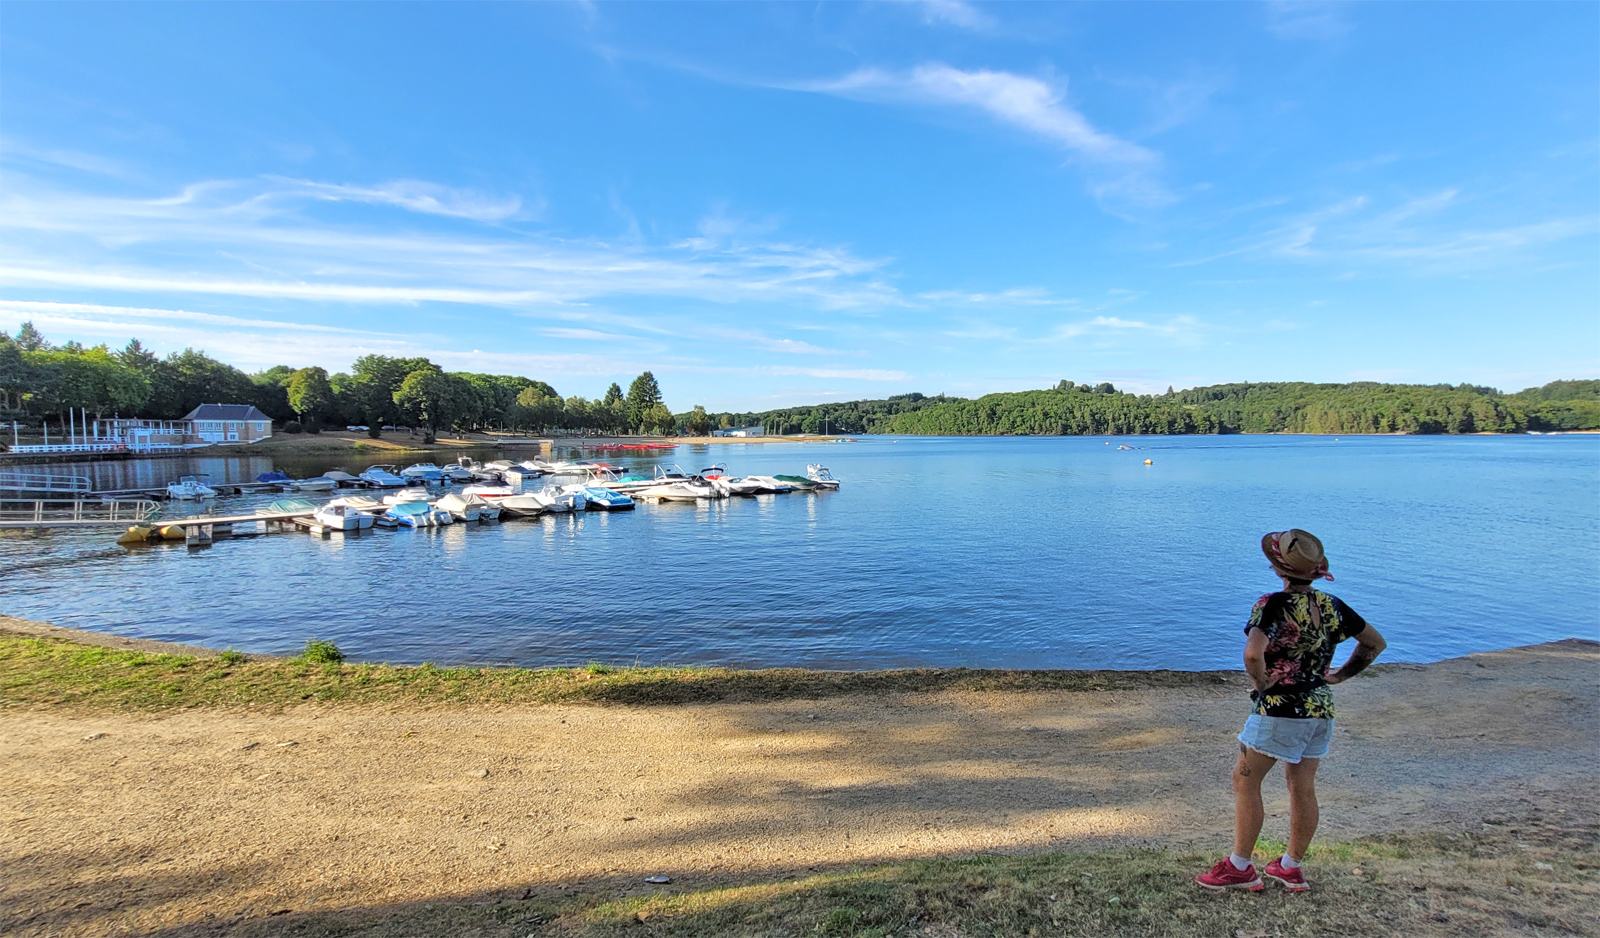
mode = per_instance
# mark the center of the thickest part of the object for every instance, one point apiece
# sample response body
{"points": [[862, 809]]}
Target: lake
{"points": [[1043, 552]]}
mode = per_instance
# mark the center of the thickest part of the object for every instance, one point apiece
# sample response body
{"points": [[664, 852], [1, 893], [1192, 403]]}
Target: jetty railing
{"points": [[60, 512], [47, 482]]}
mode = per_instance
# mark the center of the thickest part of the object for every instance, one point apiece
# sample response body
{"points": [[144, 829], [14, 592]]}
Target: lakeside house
{"points": [[741, 431], [229, 423], [206, 425]]}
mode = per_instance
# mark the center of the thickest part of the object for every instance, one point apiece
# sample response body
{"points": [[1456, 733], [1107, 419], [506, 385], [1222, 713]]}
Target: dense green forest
{"points": [[39, 380], [1070, 409]]}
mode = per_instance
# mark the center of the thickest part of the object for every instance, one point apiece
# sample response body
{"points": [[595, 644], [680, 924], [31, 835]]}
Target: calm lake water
{"points": [[1010, 552]]}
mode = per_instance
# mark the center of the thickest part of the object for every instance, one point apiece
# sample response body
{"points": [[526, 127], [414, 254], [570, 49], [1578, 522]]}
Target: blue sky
{"points": [[770, 204]]}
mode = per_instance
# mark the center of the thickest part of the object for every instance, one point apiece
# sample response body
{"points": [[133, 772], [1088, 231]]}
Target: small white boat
{"points": [[559, 499], [819, 474], [519, 506], [409, 495], [770, 484], [600, 498], [425, 471], [489, 490], [341, 518], [736, 486], [465, 507], [190, 487], [679, 492], [457, 472], [383, 477], [340, 477], [319, 484], [364, 503]]}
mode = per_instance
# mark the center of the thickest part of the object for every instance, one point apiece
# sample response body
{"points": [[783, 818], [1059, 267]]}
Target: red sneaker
{"points": [[1293, 880], [1227, 876]]}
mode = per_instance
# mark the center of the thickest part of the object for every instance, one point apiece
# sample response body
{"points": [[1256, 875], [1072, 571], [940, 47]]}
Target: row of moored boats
{"points": [[502, 489]]}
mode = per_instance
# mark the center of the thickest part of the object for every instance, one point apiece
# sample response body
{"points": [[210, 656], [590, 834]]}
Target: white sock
{"points": [[1239, 863], [1289, 863]]}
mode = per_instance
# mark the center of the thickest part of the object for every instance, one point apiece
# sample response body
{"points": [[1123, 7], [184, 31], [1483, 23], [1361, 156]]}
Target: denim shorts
{"points": [[1288, 738]]}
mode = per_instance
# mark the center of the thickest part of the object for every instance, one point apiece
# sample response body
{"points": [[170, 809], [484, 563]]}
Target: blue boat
{"points": [[276, 475], [425, 471], [604, 499]]}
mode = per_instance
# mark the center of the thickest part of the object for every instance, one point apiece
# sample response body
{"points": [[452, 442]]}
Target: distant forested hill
{"points": [[1074, 409]]}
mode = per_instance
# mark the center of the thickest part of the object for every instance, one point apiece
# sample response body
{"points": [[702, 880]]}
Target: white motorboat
{"points": [[424, 471], [770, 484], [739, 486], [342, 518], [319, 484], [679, 492], [519, 506], [190, 487], [457, 472], [489, 490], [383, 477], [409, 495], [819, 474], [559, 499], [364, 503], [465, 507]]}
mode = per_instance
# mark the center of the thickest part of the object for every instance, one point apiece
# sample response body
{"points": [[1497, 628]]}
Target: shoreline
{"points": [[644, 684], [331, 443], [960, 809]]}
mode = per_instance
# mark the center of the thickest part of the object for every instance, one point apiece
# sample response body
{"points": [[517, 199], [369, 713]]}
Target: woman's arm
{"points": [[1255, 659], [1369, 645]]}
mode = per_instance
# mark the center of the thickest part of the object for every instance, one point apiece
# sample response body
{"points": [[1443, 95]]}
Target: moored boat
{"points": [[417, 515], [819, 474], [799, 483], [319, 484], [520, 506], [409, 495], [464, 507], [489, 490], [190, 487], [383, 477], [424, 471], [341, 518], [599, 498], [457, 472], [276, 476]]}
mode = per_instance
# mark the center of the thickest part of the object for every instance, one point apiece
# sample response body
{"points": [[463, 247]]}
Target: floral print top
{"points": [[1299, 653]]}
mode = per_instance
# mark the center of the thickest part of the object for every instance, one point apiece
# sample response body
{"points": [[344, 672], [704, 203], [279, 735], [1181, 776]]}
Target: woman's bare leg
{"points": [[1247, 810], [1303, 811]]}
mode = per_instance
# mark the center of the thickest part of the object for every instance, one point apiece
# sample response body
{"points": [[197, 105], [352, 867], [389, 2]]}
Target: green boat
{"points": [[800, 483]]}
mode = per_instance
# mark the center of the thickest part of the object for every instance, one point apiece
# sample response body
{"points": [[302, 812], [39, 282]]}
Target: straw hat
{"points": [[1296, 554]]}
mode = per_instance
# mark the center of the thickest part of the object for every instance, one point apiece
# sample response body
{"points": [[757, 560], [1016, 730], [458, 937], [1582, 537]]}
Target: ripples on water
{"points": [[1009, 552]]}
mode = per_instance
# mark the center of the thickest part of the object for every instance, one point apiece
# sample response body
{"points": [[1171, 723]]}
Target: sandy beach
{"points": [[197, 821]]}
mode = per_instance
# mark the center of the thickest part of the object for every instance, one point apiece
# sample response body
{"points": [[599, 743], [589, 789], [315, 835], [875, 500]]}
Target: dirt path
{"points": [[122, 824]]}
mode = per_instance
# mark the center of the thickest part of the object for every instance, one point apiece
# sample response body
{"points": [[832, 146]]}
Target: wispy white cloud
{"points": [[1306, 19], [1187, 328], [231, 233], [1019, 100], [957, 13], [413, 195], [1418, 231], [1120, 171]]}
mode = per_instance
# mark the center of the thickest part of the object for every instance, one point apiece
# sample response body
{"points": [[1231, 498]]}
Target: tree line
{"points": [[40, 380], [1071, 409]]}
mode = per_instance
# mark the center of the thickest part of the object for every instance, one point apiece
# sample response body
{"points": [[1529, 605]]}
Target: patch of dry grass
{"points": [[52, 672]]}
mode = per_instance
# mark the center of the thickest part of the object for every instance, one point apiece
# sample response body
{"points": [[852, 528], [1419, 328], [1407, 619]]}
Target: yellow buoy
{"points": [[137, 534], [1147, 462]]}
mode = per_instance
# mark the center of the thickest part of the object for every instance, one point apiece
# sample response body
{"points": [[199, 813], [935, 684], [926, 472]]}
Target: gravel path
{"points": [[115, 824]]}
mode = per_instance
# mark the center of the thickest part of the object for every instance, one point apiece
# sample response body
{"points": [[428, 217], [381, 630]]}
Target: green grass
{"points": [[1440, 884], [44, 671]]}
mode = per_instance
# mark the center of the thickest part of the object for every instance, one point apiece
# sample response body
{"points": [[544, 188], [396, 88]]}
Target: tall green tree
{"points": [[613, 395], [375, 379], [29, 339], [310, 394], [433, 399], [699, 422], [643, 395]]}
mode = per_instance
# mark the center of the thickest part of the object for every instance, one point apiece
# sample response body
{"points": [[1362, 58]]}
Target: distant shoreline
{"points": [[377, 451]]}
